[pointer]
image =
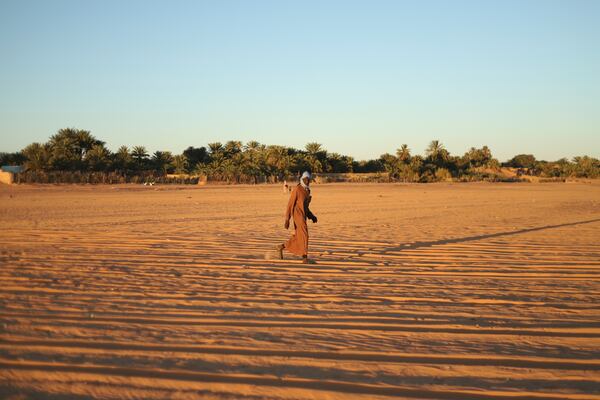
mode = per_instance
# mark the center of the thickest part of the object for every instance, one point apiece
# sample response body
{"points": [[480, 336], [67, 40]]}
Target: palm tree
{"points": [[38, 156], [64, 149], [122, 158], [16, 158], [278, 161], [339, 163], [252, 145], [180, 163], [97, 157], [478, 157], [437, 155], [403, 154], [390, 164], [229, 170], [214, 168], [586, 167], [251, 160], [316, 156], [140, 155], [85, 141], [215, 147], [435, 150], [349, 163], [416, 165], [233, 147], [314, 164], [487, 153], [313, 148], [163, 161], [69, 147]]}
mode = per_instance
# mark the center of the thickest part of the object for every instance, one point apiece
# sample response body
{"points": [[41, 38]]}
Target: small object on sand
{"points": [[279, 249]]}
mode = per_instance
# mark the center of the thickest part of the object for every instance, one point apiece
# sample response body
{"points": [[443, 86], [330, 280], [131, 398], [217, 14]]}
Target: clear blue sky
{"points": [[361, 77]]}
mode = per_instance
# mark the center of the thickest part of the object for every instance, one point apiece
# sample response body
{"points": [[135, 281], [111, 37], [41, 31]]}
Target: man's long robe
{"points": [[298, 210]]}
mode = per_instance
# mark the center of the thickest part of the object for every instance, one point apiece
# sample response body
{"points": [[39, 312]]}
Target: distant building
{"points": [[7, 173], [15, 169]]}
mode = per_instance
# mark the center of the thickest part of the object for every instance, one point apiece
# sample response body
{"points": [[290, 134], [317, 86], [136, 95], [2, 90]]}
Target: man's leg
{"points": [[306, 260]]}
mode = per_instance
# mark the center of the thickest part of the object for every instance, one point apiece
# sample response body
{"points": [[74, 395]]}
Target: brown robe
{"points": [[297, 208]]}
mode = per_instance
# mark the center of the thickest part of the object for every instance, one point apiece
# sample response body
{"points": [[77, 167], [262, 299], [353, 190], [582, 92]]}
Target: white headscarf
{"points": [[306, 174]]}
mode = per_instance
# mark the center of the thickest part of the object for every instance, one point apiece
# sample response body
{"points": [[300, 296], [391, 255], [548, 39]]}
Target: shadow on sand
{"points": [[417, 245]]}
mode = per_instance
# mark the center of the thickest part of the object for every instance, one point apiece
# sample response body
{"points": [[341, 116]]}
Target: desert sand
{"points": [[438, 291]]}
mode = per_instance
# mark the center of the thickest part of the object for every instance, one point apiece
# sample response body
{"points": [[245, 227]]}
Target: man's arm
{"points": [[310, 215]]}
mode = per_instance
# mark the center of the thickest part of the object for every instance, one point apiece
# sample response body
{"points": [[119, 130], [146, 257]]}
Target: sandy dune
{"points": [[449, 291]]}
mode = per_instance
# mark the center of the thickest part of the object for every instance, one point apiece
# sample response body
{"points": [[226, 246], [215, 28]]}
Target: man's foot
{"points": [[279, 249], [306, 260]]}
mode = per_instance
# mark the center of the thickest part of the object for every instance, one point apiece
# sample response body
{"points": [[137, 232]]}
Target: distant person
{"points": [[285, 187], [298, 210]]}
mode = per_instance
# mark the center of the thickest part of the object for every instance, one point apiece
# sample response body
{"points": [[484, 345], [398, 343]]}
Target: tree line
{"points": [[75, 155]]}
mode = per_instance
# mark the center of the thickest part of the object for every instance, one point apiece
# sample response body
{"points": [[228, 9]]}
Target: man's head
{"points": [[306, 178]]}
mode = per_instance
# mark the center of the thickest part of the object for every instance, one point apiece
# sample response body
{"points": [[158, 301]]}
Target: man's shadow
{"points": [[418, 245]]}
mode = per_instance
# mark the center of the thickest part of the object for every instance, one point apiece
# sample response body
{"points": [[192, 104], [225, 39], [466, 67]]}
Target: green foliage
{"points": [[37, 156], [479, 157], [75, 155], [586, 167], [180, 164], [437, 153], [140, 157], [403, 154], [68, 148], [522, 161], [442, 174], [97, 158], [215, 147], [195, 155], [163, 162]]}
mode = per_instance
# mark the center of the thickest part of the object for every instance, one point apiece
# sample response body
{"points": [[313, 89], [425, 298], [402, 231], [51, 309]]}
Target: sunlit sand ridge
{"points": [[449, 291]]}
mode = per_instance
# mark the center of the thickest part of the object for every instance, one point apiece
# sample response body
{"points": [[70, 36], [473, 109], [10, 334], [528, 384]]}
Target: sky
{"points": [[360, 77]]}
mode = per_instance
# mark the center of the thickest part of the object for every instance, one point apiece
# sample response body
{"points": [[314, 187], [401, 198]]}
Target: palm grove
{"points": [[76, 156]]}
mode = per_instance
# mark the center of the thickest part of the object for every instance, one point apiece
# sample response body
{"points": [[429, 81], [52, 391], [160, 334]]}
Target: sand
{"points": [[449, 291]]}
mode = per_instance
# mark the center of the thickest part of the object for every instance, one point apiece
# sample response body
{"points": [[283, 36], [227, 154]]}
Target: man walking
{"points": [[298, 210]]}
